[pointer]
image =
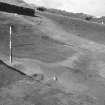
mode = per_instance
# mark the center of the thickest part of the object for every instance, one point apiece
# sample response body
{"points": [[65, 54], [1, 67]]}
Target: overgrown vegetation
{"points": [[88, 18], [42, 9]]}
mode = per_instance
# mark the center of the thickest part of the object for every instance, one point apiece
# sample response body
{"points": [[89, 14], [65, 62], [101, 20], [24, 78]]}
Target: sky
{"points": [[92, 7]]}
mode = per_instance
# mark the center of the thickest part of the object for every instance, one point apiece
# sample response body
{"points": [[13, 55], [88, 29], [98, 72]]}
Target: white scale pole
{"points": [[10, 45]]}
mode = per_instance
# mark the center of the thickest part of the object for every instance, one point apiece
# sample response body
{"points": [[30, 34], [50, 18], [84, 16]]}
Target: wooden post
{"points": [[10, 45]]}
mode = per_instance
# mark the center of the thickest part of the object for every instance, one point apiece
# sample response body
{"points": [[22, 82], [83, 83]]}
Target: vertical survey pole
{"points": [[10, 45]]}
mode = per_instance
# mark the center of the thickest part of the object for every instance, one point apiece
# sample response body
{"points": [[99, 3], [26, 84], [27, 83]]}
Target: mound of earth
{"points": [[9, 75]]}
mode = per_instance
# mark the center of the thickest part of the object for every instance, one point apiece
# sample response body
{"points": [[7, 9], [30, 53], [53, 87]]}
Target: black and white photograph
{"points": [[52, 52]]}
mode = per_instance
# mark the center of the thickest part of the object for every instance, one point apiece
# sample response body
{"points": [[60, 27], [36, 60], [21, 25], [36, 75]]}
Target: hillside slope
{"points": [[53, 45], [89, 30]]}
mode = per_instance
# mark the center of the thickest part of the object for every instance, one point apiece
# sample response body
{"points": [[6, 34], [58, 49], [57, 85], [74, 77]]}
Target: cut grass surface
{"points": [[29, 42]]}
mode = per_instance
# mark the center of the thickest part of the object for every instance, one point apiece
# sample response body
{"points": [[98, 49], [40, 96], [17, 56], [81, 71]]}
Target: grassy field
{"points": [[51, 45], [89, 30]]}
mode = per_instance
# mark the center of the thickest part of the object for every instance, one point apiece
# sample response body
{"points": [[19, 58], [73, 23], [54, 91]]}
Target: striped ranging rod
{"points": [[10, 45]]}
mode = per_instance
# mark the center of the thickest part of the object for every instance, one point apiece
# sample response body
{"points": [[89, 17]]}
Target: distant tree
{"points": [[88, 18], [41, 9]]}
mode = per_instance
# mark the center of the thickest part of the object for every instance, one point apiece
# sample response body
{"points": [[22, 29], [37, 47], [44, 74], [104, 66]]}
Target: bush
{"points": [[88, 18], [41, 9]]}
